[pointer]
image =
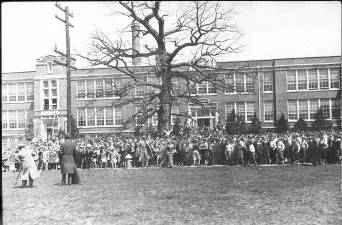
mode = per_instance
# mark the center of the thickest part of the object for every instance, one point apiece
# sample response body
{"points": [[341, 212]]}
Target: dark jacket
{"points": [[68, 151]]}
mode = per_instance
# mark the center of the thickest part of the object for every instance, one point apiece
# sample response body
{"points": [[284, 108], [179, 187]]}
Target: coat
{"points": [[68, 151], [28, 165]]}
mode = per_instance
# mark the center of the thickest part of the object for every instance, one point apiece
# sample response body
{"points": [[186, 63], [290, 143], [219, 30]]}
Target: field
{"points": [[191, 195]]}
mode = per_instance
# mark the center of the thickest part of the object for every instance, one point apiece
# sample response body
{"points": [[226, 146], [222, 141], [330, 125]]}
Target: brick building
{"points": [[294, 87]]}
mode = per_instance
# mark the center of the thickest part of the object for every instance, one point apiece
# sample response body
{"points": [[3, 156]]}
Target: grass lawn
{"points": [[212, 195]]}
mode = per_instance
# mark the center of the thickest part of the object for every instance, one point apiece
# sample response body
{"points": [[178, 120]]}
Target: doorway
{"points": [[203, 122]]}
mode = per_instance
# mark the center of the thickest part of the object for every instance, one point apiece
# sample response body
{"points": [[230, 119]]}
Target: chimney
{"points": [[135, 42]]}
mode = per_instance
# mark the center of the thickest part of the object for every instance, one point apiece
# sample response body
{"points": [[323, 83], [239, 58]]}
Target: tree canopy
{"points": [[181, 53]]}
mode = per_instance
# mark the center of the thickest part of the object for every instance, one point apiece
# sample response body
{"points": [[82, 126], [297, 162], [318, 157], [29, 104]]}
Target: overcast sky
{"points": [[271, 29]]}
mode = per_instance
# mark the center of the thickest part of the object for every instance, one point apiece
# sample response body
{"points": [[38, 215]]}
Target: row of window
{"points": [[17, 92], [307, 108], [245, 110], [313, 79], [240, 83], [100, 116], [107, 88], [13, 119]]}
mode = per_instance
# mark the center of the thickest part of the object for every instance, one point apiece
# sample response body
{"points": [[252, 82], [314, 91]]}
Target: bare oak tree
{"points": [[185, 55]]}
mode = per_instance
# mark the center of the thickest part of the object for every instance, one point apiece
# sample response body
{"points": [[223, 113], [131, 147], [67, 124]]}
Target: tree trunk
{"points": [[164, 112], [165, 98]]}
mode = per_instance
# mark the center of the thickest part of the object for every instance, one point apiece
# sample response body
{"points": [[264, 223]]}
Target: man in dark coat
{"points": [[68, 166]]}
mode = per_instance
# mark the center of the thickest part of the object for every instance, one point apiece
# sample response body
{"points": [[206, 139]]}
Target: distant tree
{"points": [[231, 119], [176, 131], [320, 122], [255, 126], [282, 124], [300, 125], [239, 127]]}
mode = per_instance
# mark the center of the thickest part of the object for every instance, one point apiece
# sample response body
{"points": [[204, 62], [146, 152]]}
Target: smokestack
{"points": [[135, 42]]}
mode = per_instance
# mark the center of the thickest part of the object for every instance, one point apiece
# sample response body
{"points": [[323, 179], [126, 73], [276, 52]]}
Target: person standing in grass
{"points": [[68, 166], [229, 153], [29, 169]]}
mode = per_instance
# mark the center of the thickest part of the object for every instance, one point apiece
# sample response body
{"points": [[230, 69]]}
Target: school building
{"points": [[295, 87]]}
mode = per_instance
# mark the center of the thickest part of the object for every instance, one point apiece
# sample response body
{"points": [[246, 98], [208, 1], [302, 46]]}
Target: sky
{"points": [[271, 29]]}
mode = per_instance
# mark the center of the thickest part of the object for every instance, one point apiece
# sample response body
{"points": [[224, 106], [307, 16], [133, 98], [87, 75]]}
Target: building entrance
{"points": [[203, 122]]}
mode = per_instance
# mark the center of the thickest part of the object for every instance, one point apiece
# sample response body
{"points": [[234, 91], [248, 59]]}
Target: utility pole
{"points": [[67, 64]]}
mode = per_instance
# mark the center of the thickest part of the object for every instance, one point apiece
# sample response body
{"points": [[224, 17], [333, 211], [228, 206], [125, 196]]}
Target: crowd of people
{"points": [[191, 149]]}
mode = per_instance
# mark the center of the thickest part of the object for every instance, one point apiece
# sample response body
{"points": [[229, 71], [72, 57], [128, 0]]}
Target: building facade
{"points": [[295, 87]]}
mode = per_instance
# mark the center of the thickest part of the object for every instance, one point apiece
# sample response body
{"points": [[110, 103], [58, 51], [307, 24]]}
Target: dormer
{"points": [[46, 65]]}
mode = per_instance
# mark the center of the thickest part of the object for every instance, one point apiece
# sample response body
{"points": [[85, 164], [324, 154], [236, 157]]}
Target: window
{"points": [[109, 116], [99, 88], [249, 83], [12, 92], [118, 116], [91, 116], [100, 116], [46, 84], [21, 119], [302, 80], [54, 103], [313, 108], [205, 88], [291, 80], [268, 111], [230, 83], [4, 92], [140, 90], [313, 79], [268, 81], [29, 93], [325, 107], [12, 117], [240, 111], [90, 89], [46, 93], [117, 85], [239, 82], [292, 110], [203, 112], [250, 111], [323, 79], [303, 109], [54, 84], [46, 104], [211, 88], [335, 78], [4, 119], [81, 117], [108, 92], [335, 108], [54, 92], [80, 89], [202, 88], [156, 81], [229, 108]]}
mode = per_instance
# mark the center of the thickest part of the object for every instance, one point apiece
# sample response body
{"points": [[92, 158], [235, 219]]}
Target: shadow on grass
{"points": [[21, 187], [60, 184]]}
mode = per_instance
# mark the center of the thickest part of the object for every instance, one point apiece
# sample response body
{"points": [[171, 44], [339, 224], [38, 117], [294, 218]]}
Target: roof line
{"points": [[254, 60]]}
